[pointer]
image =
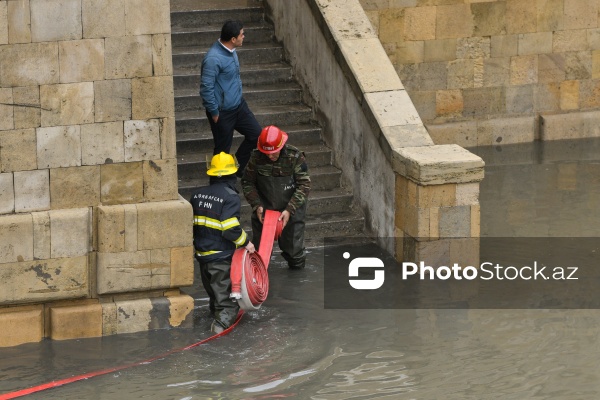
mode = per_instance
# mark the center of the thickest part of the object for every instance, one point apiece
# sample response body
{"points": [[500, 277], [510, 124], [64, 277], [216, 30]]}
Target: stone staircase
{"points": [[272, 94]]}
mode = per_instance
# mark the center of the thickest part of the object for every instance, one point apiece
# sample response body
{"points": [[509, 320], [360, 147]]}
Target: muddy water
{"points": [[294, 347]]}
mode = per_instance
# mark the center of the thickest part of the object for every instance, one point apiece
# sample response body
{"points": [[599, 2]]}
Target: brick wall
{"points": [[481, 72]]}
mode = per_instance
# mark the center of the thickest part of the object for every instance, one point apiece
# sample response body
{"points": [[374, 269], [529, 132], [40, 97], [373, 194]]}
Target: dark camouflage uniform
{"points": [[280, 185]]}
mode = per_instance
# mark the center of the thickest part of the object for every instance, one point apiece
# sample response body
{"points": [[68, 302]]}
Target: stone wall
{"points": [[481, 72], [94, 238]]}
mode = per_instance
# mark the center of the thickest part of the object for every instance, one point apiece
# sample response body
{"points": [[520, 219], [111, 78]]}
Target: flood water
{"points": [[294, 347]]}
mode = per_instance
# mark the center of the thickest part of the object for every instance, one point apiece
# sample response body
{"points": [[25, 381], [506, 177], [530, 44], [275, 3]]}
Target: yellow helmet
{"points": [[222, 164]]}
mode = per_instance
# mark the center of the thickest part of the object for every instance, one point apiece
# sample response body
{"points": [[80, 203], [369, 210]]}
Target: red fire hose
{"points": [[249, 277]]}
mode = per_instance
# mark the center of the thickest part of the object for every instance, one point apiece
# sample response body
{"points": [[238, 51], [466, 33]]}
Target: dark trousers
{"points": [[241, 120], [217, 283]]}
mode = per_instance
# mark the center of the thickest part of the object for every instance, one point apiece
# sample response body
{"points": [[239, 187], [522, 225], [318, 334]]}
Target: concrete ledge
{"points": [[76, 322], [436, 165], [570, 126], [21, 325]]}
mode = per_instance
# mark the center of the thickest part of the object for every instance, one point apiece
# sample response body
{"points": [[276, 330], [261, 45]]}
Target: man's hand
{"points": [[260, 213], [285, 217], [250, 247], [215, 119]]}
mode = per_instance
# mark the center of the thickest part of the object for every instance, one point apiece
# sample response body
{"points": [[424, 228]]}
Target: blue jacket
{"points": [[220, 83]]}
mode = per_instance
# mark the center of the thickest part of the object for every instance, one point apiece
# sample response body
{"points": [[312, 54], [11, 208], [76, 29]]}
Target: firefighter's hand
{"points": [[260, 211], [285, 217], [215, 119], [250, 247]]}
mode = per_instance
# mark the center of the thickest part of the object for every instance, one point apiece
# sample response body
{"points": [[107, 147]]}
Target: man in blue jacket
{"points": [[217, 234], [221, 92]]}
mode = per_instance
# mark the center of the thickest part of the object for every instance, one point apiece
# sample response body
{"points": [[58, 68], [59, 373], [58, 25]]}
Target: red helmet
{"points": [[271, 139]]}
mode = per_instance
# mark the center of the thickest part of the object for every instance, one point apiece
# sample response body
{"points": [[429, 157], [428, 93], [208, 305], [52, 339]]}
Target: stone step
{"points": [[322, 178], [253, 74], [191, 164], [205, 36], [190, 57], [290, 114], [194, 142], [195, 13], [282, 93]]}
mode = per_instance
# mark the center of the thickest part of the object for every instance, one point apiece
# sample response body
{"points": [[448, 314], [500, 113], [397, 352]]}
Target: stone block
{"points": [[347, 20], [32, 190], [519, 99], [3, 22], [38, 64], [572, 40], [112, 22], [152, 97], [551, 68], [392, 108], [504, 46], [7, 120], [550, 15], [475, 220], [433, 253], [19, 21], [370, 65], [435, 165], [496, 71], [7, 194], [109, 319], [81, 60], [449, 103], [168, 144], [409, 52], [173, 218], [589, 94], [67, 104], [74, 187], [44, 280], [160, 180], [463, 133], [432, 76], [18, 150], [596, 65], [391, 23], [473, 48], [111, 229], [424, 102], [461, 74], [27, 111], [593, 39], [465, 252], [546, 97], [41, 235], [561, 126], [142, 140], [162, 61], [523, 70], [54, 20], [131, 229], [569, 95], [581, 14], [21, 325], [439, 50], [436, 196], [591, 123], [521, 16], [59, 147], [455, 222], [70, 231], [419, 23], [127, 272], [399, 136], [434, 223], [128, 56], [121, 183], [181, 311], [578, 65], [416, 222], [488, 18], [182, 266], [454, 21], [506, 131], [112, 100], [535, 43], [76, 322], [16, 238], [102, 143], [484, 101], [143, 17], [467, 194]]}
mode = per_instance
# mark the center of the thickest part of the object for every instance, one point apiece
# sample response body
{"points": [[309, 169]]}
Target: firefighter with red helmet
{"points": [[276, 178]]}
